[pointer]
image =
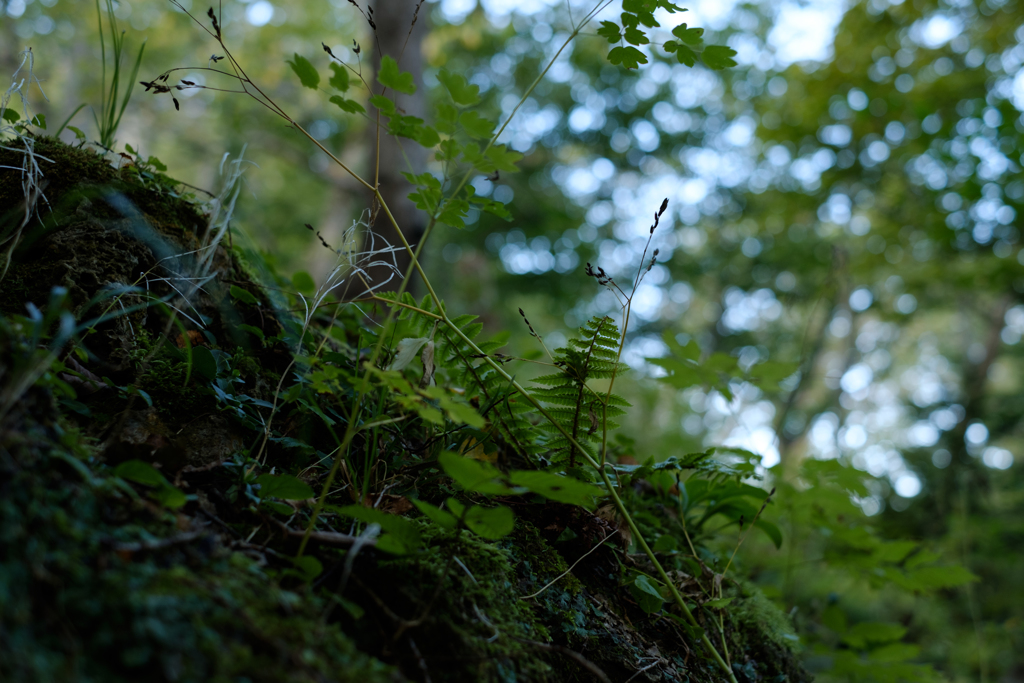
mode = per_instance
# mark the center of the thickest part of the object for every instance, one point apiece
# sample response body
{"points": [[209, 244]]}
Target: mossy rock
{"points": [[101, 581]]}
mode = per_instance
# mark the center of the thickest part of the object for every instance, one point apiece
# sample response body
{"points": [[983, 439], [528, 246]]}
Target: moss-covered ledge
{"points": [[100, 581]]}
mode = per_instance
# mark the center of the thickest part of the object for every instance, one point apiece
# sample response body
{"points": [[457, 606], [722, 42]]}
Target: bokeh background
{"points": [[846, 200]]}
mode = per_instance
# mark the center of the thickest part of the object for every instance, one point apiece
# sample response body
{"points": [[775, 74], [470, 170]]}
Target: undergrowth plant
{"points": [[570, 447], [112, 103]]}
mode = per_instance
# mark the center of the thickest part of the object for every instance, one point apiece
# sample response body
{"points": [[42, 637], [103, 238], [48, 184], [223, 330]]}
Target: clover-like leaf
{"points": [[610, 32], [391, 76], [306, 72], [718, 56], [350, 106], [690, 36], [459, 88], [476, 126], [629, 57], [339, 81]]}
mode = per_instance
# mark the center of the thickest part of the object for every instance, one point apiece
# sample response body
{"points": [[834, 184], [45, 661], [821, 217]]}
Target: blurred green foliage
{"points": [[852, 214]]}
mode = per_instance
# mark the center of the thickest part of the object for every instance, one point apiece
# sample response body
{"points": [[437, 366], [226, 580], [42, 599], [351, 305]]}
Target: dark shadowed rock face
{"points": [[102, 579]]}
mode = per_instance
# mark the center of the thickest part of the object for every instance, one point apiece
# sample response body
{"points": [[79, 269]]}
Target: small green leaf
{"points": [[350, 106], [476, 126], [339, 81], [503, 159], [303, 282], [446, 119], [474, 475], [279, 508], [391, 77], [610, 32], [402, 535], [427, 137], [155, 163], [406, 353], [244, 296], [635, 36], [11, 116], [39, 121], [384, 104], [170, 497], [140, 473], [556, 487], [442, 518], [203, 363], [459, 88], [307, 74], [684, 53], [718, 56], [866, 633], [308, 566], [283, 486], [629, 57], [690, 36], [666, 544], [490, 523], [255, 331], [646, 594], [80, 135]]}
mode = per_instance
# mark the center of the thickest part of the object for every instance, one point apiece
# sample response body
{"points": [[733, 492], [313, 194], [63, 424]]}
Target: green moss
{"points": [[83, 599], [475, 625]]}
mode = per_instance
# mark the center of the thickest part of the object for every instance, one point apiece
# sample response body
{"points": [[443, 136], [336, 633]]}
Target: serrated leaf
{"points": [[307, 74], [503, 159], [459, 88], [339, 81], [283, 486], [384, 104], [169, 496], [635, 36], [350, 106], [691, 36], [718, 56], [476, 126], [684, 54], [628, 57], [391, 76], [610, 32], [427, 137]]}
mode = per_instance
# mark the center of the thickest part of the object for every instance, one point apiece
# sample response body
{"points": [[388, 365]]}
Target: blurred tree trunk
{"points": [[401, 27]]}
